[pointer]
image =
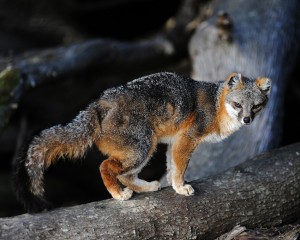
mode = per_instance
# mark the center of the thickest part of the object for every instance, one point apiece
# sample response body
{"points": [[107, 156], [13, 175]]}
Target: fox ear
{"points": [[233, 79], [264, 84]]}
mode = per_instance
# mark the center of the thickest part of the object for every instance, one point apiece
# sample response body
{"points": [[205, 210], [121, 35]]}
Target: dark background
{"points": [[33, 25]]}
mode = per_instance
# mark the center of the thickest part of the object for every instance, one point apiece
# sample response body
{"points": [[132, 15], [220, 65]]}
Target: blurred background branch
{"points": [[33, 68]]}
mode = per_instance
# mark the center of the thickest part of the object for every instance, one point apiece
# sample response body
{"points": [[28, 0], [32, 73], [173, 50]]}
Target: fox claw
{"points": [[155, 186], [123, 195], [186, 190]]}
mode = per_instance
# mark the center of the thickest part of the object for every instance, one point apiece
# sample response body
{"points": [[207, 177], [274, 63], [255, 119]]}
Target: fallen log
{"points": [[261, 192]]}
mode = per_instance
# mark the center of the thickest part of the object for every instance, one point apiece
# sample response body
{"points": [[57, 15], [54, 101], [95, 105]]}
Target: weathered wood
{"points": [[263, 41], [286, 232], [261, 192]]}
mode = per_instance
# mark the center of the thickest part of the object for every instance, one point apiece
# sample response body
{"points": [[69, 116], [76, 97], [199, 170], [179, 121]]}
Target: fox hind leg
{"points": [[138, 185], [110, 169], [129, 152], [113, 173]]}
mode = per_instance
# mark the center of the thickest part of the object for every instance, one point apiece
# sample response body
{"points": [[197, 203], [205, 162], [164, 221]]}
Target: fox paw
{"points": [[186, 190], [154, 186], [125, 194]]}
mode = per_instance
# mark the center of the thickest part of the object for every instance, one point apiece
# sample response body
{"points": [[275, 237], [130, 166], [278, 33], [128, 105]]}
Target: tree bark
{"points": [[261, 40], [262, 192], [286, 232]]}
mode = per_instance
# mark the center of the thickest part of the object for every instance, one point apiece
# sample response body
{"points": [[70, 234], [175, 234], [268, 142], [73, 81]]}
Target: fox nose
{"points": [[247, 120]]}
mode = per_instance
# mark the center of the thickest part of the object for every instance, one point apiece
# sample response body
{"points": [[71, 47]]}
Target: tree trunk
{"points": [[261, 192], [261, 39]]}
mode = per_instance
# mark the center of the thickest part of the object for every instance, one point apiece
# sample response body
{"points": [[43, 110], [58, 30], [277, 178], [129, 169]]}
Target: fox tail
{"points": [[71, 141]]}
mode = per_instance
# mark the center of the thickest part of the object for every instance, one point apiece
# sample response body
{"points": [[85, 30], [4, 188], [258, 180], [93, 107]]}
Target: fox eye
{"points": [[256, 107], [237, 105]]}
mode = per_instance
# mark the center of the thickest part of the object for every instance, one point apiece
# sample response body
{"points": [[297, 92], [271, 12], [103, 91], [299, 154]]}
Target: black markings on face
{"points": [[240, 114], [257, 107]]}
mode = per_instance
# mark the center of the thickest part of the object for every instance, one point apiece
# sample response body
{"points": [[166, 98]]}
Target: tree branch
{"points": [[261, 192]]}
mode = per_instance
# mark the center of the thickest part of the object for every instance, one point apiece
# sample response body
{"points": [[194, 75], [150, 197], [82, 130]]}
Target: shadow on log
{"points": [[262, 192]]}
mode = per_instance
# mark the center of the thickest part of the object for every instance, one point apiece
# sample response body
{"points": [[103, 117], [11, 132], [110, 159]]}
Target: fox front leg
{"points": [[181, 152], [169, 156]]}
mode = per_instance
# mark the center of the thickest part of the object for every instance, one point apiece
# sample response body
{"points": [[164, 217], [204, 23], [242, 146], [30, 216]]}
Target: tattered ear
{"points": [[264, 84], [234, 79]]}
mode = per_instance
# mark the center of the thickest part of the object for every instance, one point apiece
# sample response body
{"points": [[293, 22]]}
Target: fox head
{"points": [[246, 97]]}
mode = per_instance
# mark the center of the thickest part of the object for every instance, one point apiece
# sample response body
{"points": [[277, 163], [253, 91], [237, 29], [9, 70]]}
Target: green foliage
{"points": [[9, 80]]}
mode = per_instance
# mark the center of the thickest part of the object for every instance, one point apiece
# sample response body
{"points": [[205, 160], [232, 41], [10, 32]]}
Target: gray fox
{"points": [[127, 122]]}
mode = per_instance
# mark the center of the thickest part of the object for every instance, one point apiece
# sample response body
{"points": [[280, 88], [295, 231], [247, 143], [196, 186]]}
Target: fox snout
{"points": [[246, 120]]}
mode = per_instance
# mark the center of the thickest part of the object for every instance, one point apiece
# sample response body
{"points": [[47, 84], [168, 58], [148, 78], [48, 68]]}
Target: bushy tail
{"points": [[71, 141]]}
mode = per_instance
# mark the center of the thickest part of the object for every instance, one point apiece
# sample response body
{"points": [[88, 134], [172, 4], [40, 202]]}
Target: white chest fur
{"points": [[227, 126], [168, 140], [214, 137]]}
